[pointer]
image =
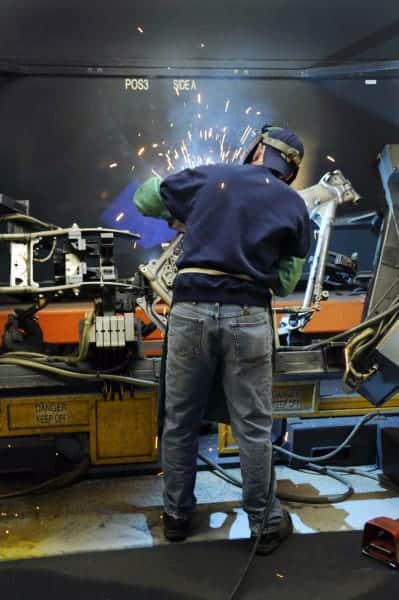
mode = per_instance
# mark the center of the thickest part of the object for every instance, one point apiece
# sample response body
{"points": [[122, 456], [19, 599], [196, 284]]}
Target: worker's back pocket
{"points": [[253, 337], [185, 336]]}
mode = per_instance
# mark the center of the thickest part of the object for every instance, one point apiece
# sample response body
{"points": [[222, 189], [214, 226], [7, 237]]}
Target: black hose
{"points": [[266, 515], [325, 499], [52, 484], [313, 459]]}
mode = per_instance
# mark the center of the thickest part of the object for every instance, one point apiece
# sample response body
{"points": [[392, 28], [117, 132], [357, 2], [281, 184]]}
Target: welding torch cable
{"points": [[361, 347], [348, 471], [352, 376], [52, 484], [310, 462], [27, 219], [99, 376], [381, 479], [312, 459], [324, 499], [220, 471], [266, 514]]}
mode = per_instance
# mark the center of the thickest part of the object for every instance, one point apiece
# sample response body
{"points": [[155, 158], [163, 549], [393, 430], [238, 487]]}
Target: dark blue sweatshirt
{"points": [[239, 219]]}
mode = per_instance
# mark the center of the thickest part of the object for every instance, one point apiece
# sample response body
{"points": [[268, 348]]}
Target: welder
{"points": [[246, 235]]}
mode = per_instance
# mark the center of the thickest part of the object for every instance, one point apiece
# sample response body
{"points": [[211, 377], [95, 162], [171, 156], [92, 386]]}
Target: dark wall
{"points": [[230, 29], [59, 135]]}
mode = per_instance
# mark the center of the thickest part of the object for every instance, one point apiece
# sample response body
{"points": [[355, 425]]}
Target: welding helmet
{"points": [[284, 151]]}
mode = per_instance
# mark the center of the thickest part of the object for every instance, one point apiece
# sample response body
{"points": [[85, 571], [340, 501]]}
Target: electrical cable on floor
{"points": [[351, 471], [52, 484], [382, 479], [220, 472], [310, 463], [313, 459], [265, 519], [325, 499]]}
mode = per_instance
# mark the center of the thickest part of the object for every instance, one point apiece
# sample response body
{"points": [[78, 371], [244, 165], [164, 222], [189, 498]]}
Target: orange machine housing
{"points": [[60, 322]]}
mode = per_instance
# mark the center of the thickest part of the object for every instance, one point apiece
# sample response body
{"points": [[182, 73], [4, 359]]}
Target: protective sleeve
{"points": [[178, 192], [299, 242], [148, 200], [289, 273]]}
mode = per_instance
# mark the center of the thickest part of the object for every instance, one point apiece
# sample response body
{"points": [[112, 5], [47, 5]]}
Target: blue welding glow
{"points": [[123, 214]]}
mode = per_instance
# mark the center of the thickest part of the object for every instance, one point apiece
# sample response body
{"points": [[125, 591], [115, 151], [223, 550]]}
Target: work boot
{"points": [[269, 542], [175, 530]]}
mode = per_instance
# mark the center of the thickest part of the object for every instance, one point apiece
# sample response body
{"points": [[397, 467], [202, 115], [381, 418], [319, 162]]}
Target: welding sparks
{"points": [[154, 172], [119, 217], [245, 135], [202, 45], [222, 185], [113, 165], [134, 245], [140, 29], [201, 144], [330, 158]]}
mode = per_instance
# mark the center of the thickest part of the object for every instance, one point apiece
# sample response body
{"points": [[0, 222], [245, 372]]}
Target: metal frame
{"points": [[205, 68], [22, 246]]}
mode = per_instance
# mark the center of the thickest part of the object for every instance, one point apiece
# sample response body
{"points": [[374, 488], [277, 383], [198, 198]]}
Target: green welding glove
{"points": [[148, 200], [289, 273]]}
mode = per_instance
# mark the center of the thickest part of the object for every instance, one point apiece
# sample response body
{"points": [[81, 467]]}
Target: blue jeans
{"points": [[237, 342]]}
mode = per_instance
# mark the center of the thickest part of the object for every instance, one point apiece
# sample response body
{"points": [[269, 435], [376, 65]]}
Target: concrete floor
{"points": [[124, 512]]}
